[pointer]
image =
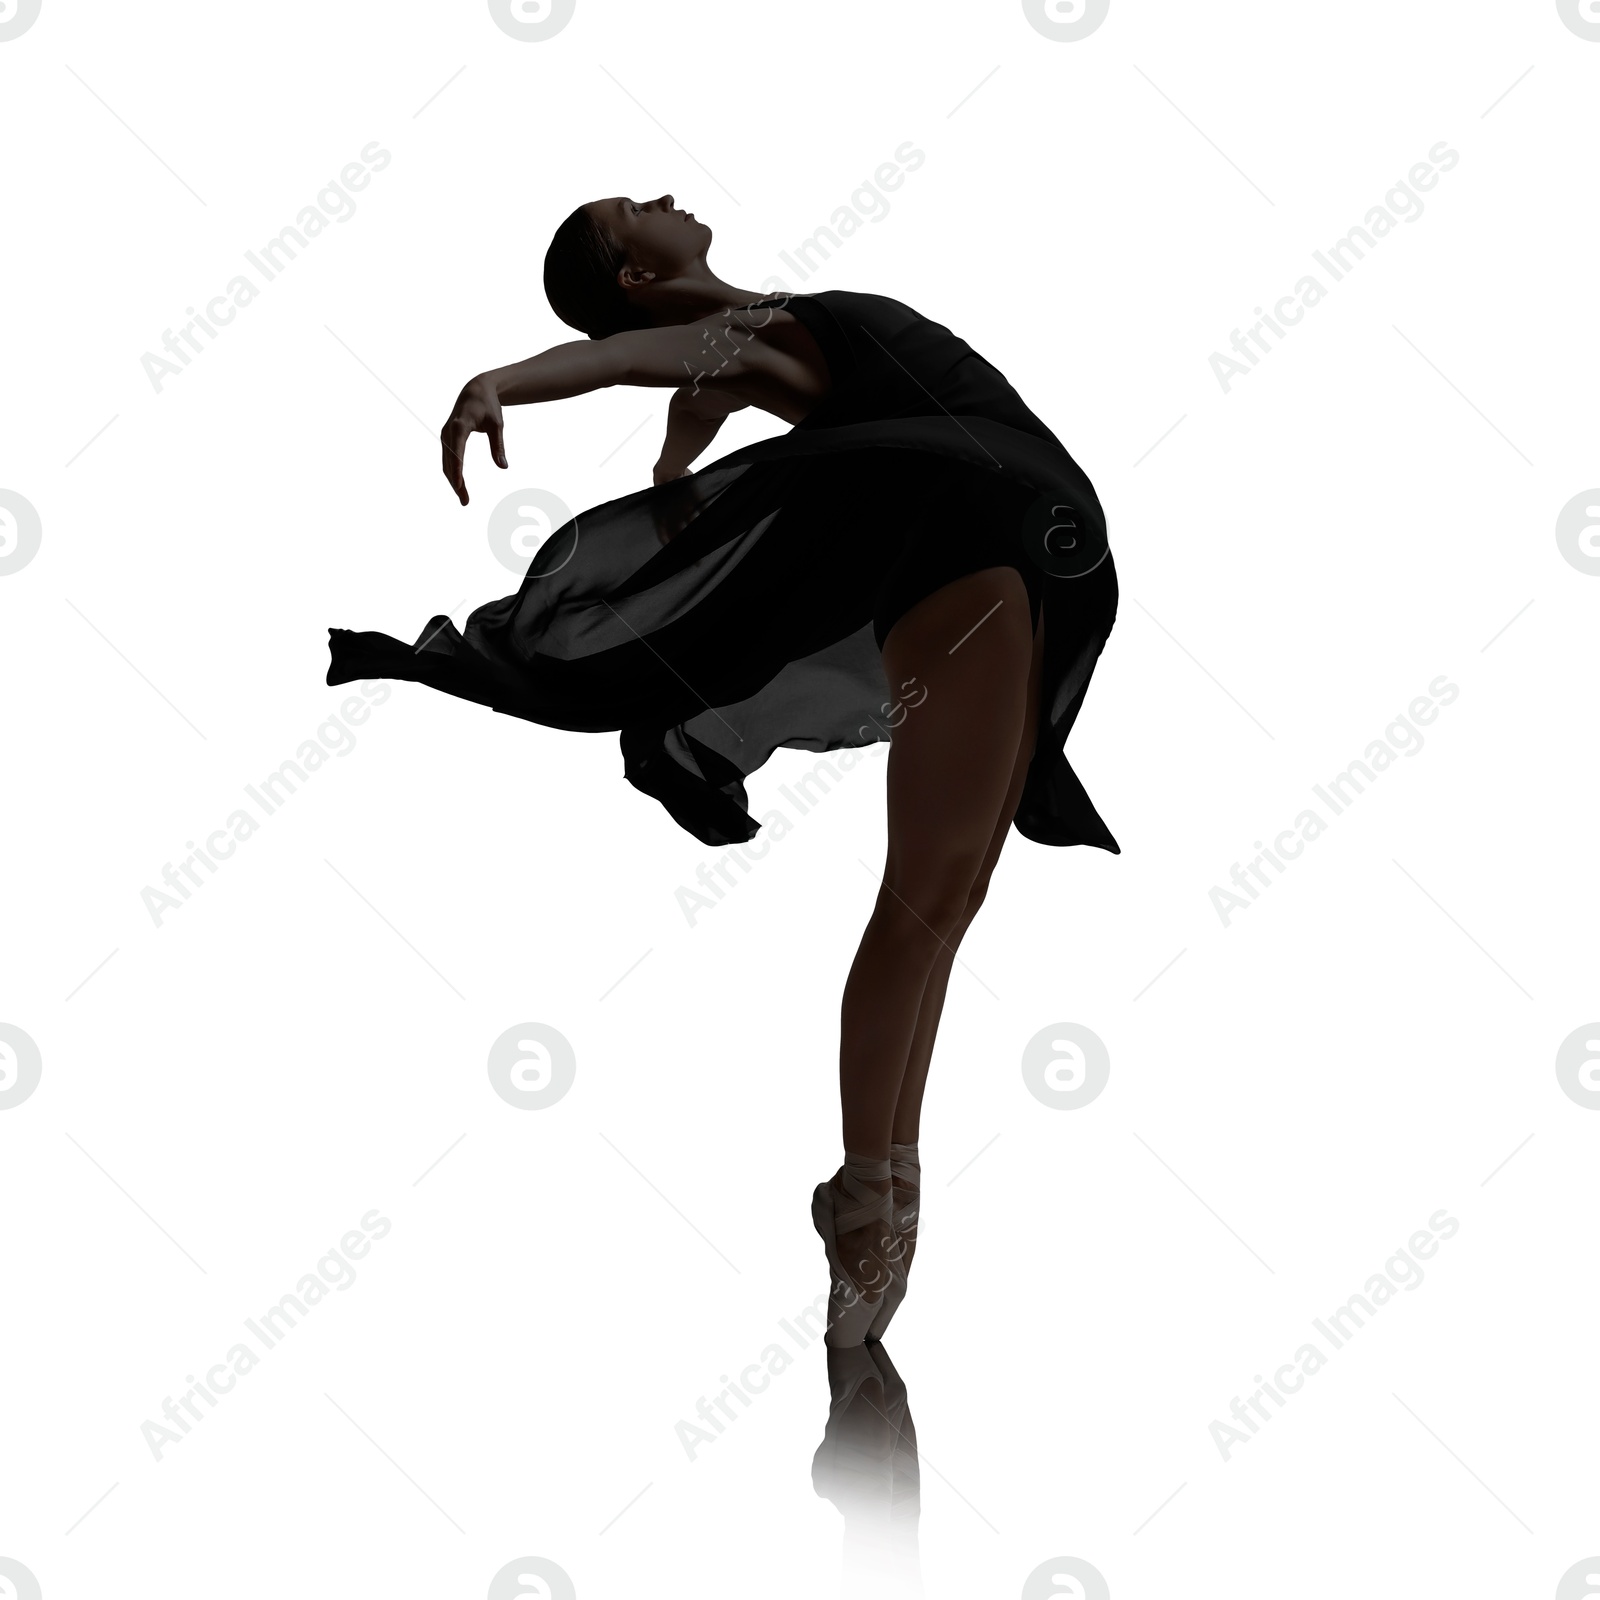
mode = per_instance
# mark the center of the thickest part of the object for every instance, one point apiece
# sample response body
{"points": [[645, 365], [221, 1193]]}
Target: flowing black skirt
{"points": [[714, 619]]}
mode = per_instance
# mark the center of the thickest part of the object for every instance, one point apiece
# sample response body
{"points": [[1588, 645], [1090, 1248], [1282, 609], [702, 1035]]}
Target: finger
{"points": [[454, 439], [495, 428]]}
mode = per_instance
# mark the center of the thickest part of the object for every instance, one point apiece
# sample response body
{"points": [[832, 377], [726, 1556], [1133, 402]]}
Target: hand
{"points": [[477, 410], [673, 509], [670, 520], [669, 512]]}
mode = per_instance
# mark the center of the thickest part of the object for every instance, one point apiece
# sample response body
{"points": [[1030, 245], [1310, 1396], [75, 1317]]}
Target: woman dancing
{"points": [[917, 559]]}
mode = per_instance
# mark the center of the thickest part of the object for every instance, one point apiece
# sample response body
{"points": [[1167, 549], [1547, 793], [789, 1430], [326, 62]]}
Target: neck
{"points": [[692, 297]]}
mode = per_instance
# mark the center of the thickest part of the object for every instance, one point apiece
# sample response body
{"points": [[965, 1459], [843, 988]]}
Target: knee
{"points": [[937, 901]]}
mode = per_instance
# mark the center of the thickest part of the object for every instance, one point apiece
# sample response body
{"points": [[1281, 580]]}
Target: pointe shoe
{"points": [[906, 1171], [833, 1213]]}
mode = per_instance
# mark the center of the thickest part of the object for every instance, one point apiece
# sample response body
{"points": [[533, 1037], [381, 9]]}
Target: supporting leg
{"points": [[951, 768], [908, 1109]]}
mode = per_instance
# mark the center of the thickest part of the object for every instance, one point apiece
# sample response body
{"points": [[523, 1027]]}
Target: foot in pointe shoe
{"points": [[906, 1171], [852, 1213]]}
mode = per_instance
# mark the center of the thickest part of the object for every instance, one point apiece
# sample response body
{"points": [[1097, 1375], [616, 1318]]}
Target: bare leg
{"points": [[908, 1109], [951, 768]]}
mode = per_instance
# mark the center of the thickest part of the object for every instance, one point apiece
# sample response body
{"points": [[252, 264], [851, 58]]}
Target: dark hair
{"points": [[580, 278]]}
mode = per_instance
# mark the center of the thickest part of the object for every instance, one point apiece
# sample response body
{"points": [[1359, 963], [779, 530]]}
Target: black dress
{"points": [[718, 617]]}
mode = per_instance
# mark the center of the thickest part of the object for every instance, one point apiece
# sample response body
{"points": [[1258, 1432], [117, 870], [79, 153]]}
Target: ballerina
{"points": [[916, 559]]}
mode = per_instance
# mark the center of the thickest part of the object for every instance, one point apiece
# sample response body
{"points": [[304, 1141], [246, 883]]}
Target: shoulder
{"points": [[860, 306], [857, 323], [714, 349], [847, 315]]}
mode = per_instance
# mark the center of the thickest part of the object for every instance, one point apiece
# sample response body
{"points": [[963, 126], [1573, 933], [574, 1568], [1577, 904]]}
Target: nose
{"points": [[665, 201]]}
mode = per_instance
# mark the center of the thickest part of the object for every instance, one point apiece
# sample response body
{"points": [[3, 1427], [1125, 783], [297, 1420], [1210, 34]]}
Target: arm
{"points": [[692, 423], [712, 356], [555, 374]]}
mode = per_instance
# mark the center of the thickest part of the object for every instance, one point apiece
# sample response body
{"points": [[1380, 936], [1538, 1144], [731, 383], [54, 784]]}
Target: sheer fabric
{"points": [[717, 618]]}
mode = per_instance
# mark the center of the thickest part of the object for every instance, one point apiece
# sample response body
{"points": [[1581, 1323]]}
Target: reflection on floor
{"points": [[867, 1466]]}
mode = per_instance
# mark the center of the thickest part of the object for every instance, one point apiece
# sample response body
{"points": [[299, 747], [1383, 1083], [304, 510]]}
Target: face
{"points": [[657, 237]]}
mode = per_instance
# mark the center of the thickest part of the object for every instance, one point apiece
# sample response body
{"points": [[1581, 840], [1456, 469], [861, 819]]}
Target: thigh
{"points": [[958, 664], [1019, 769]]}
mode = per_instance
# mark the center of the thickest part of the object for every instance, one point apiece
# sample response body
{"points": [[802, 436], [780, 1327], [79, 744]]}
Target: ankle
{"points": [[905, 1164], [873, 1172]]}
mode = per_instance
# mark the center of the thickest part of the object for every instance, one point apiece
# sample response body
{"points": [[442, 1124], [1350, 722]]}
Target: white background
{"points": [[225, 1095]]}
